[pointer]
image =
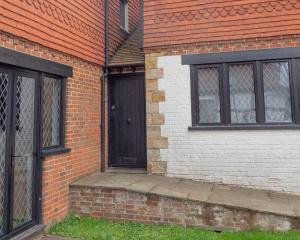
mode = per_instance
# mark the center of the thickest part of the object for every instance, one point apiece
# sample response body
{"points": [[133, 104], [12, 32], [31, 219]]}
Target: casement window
{"points": [[124, 15], [52, 111], [245, 94], [32, 101]]}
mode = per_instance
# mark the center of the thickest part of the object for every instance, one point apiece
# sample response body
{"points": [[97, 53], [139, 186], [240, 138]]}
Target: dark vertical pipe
{"points": [[142, 21], [104, 77]]}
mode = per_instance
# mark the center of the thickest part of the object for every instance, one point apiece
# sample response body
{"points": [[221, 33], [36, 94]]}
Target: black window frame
{"points": [[19, 61], [257, 58], [24, 61]]}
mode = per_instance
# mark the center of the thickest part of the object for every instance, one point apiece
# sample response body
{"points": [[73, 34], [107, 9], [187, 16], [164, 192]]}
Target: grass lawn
{"points": [[91, 229]]}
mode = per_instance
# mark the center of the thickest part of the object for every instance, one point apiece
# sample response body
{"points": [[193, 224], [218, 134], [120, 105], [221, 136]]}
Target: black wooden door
{"points": [[127, 121]]}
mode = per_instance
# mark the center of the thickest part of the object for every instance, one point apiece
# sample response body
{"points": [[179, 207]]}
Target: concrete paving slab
{"points": [[284, 200], [249, 199], [145, 185], [197, 191], [121, 180], [170, 188], [116, 181]]}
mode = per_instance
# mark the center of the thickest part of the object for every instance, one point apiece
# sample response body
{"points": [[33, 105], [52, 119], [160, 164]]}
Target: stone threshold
{"points": [[33, 233], [127, 170], [263, 201]]}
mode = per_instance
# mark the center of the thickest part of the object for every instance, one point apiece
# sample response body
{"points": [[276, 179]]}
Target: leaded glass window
{"points": [[251, 93], [209, 97], [51, 109], [242, 97], [277, 92]]}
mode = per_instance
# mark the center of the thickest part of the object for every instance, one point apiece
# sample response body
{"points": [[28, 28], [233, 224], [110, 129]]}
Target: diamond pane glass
{"points": [[51, 111], [209, 95], [277, 92], [4, 79], [23, 160], [242, 96]]}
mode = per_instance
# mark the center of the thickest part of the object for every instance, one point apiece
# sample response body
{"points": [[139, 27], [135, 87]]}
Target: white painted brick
{"points": [[261, 159]]}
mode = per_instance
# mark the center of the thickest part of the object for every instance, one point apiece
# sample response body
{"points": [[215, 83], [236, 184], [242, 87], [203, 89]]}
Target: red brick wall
{"points": [[72, 33], [72, 27], [196, 21], [116, 35], [124, 206], [82, 127]]}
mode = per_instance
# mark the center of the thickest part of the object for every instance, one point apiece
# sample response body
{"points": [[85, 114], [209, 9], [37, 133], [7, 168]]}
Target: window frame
{"points": [[225, 98], [36, 69], [60, 148], [124, 12]]}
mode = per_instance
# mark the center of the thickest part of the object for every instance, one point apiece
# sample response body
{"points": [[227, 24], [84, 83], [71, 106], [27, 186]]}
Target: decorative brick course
{"points": [[169, 23], [124, 206], [72, 27]]}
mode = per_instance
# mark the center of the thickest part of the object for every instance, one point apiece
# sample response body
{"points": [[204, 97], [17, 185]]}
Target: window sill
{"points": [[246, 127], [54, 151]]}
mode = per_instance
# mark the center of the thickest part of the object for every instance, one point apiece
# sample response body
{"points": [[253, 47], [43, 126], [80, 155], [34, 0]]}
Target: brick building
{"points": [[205, 90], [223, 91], [52, 59]]}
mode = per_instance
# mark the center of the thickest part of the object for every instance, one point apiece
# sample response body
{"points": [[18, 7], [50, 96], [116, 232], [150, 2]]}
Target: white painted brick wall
{"points": [[267, 159]]}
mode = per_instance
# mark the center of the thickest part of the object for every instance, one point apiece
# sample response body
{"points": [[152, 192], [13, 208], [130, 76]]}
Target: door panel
{"points": [[5, 79], [128, 121], [18, 148], [23, 157]]}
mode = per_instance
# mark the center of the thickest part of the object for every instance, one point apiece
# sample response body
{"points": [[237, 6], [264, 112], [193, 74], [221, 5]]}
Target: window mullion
{"points": [[259, 94], [225, 94], [194, 96], [62, 114], [295, 73]]}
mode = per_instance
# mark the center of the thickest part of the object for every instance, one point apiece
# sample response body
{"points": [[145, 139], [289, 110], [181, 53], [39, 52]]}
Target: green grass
{"points": [[91, 229]]}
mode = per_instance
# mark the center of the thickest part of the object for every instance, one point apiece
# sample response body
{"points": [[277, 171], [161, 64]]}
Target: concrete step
{"points": [[155, 199]]}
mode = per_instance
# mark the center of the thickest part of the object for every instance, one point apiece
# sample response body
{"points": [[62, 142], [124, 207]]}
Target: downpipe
{"points": [[103, 125], [103, 79]]}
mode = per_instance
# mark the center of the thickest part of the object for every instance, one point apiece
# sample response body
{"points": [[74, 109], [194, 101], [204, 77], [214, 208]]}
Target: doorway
{"points": [[127, 121], [18, 149]]}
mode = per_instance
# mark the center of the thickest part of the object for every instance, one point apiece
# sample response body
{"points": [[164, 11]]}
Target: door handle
{"points": [[129, 120]]}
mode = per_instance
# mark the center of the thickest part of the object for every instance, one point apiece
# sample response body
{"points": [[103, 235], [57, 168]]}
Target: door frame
{"points": [[10, 143], [11, 59], [109, 104]]}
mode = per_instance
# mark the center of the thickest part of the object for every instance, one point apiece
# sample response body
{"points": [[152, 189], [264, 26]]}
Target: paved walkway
{"points": [[258, 200]]}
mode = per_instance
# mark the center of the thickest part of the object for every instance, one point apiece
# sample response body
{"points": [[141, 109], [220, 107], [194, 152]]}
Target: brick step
{"points": [[163, 200]]}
